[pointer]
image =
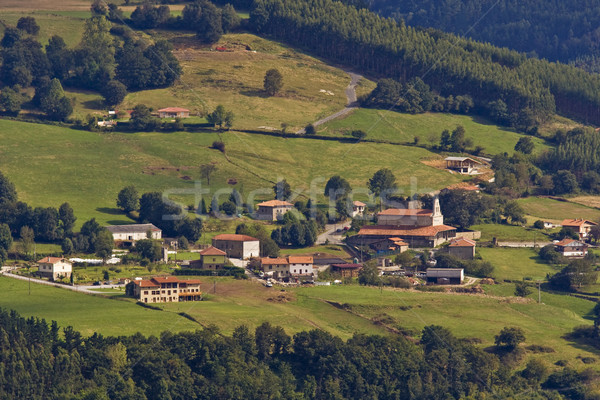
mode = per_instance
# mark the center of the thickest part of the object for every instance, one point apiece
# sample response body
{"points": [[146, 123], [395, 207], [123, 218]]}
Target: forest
{"points": [[530, 89], [40, 361], [565, 31]]}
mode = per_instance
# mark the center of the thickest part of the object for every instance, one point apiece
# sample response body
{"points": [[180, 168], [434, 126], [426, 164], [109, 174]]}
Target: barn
{"points": [[445, 276]]}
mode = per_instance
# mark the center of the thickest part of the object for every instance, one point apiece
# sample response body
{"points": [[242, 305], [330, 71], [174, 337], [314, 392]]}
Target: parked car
{"points": [[97, 283]]}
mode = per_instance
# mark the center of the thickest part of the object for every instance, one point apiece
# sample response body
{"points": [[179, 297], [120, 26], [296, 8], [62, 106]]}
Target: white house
{"points": [[300, 265], [54, 268], [134, 232], [358, 208]]}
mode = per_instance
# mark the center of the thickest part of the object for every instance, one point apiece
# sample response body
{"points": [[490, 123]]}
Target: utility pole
{"points": [[539, 292]]}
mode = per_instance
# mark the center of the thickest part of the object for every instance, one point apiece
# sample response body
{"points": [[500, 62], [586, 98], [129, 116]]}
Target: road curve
{"points": [[351, 105]]}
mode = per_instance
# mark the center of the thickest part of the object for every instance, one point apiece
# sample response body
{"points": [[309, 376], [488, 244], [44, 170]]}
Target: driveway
{"points": [[76, 288], [331, 234]]}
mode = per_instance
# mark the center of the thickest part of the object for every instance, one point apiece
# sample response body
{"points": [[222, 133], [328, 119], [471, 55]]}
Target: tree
{"points": [[220, 117], [458, 141], [273, 82], [209, 28], [310, 129], [27, 240], [229, 18], [10, 38], [382, 184], [509, 338], [67, 218], [54, 102], [538, 224], [514, 212], [6, 239], [8, 193], [282, 190], [98, 7], [337, 188], [142, 119], [114, 93], [565, 182], [206, 170], [525, 145], [149, 249], [463, 208], [369, 274], [522, 289], [359, 134], [103, 244], [28, 25], [128, 199], [11, 101], [66, 246]]}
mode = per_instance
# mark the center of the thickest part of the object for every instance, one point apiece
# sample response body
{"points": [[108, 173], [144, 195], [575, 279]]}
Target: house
{"points": [[237, 246], [346, 270], [286, 268], [392, 244], [164, 289], [571, 248], [445, 276], [54, 268], [273, 210], [210, 258], [416, 226], [579, 226], [173, 112], [462, 165], [171, 242], [358, 208], [107, 124], [462, 248], [134, 232]]}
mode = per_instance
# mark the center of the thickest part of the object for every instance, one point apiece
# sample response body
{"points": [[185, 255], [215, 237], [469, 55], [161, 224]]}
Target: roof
{"points": [[577, 222], [406, 211], [359, 203], [347, 266], [445, 272], [300, 259], [173, 109], [275, 203], [166, 279], [191, 281], [406, 230], [328, 260], [462, 242], [52, 260], [235, 237], [462, 159], [569, 242], [212, 251], [145, 283], [273, 261], [156, 281], [133, 228]]}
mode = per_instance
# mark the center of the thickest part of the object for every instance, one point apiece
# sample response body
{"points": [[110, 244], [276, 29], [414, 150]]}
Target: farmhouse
{"points": [[134, 232], [164, 289], [462, 165], [173, 112], [393, 244], [54, 268], [445, 276], [462, 248], [273, 210], [285, 268], [210, 258], [571, 248], [346, 270], [358, 208], [579, 226], [237, 246]]}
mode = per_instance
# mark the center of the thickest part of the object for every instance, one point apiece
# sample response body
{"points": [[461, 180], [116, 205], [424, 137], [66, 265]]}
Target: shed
{"points": [[447, 276]]}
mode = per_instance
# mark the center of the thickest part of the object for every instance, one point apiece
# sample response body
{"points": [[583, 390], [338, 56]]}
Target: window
{"points": [[145, 292]]}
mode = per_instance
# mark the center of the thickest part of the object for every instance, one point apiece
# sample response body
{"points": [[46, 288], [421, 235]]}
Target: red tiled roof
{"points": [[406, 230], [462, 242], [166, 279], [235, 237], [300, 259], [275, 203], [577, 222], [192, 281], [173, 109], [358, 203], [146, 283], [212, 251], [51, 260], [273, 261], [569, 242], [347, 266], [406, 211]]}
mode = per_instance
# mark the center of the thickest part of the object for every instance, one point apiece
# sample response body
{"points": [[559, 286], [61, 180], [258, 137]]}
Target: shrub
{"points": [[218, 145]]}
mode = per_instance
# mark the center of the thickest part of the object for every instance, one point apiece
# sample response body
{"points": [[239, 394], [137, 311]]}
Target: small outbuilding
{"points": [[445, 276], [462, 165], [173, 112], [462, 248], [346, 270]]}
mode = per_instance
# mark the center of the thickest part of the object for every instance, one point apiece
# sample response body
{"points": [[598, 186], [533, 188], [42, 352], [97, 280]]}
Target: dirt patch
{"points": [[280, 298], [435, 163], [152, 170], [588, 201]]}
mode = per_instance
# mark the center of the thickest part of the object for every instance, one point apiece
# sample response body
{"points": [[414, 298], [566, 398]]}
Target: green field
{"points": [[514, 233], [66, 24], [402, 128], [516, 264], [87, 313], [50, 165], [548, 209]]}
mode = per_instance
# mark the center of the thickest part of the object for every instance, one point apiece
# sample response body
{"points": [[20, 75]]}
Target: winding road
{"points": [[351, 105]]}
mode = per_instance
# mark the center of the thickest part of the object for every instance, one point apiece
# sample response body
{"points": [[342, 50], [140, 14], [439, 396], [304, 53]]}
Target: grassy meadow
{"points": [[516, 263], [511, 233], [402, 128], [554, 210]]}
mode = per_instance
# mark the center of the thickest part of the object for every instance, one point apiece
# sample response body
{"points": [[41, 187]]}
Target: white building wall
{"points": [[251, 249], [301, 269]]}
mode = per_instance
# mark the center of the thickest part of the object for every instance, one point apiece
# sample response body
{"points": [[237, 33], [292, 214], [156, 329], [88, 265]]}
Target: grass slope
{"points": [[545, 208], [402, 128], [50, 165], [515, 263]]}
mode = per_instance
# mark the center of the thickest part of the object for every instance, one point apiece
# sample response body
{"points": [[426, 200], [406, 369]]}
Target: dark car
{"points": [[97, 283]]}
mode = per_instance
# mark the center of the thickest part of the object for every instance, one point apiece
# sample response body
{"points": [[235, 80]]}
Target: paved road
{"points": [[76, 288], [351, 105], [331, 234]]}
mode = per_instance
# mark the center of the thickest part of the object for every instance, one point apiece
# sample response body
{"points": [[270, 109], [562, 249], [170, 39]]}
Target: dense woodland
{"points": [[40, 361], [531, 89], [552, 29]]}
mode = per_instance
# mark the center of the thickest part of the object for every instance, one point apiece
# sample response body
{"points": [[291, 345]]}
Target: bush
{"points": [[310, 129], [218, 145], [539, 224]]}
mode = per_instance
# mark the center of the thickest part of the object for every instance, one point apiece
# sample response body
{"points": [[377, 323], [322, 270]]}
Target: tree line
{"points": [[41, 360], [530, 89]]}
